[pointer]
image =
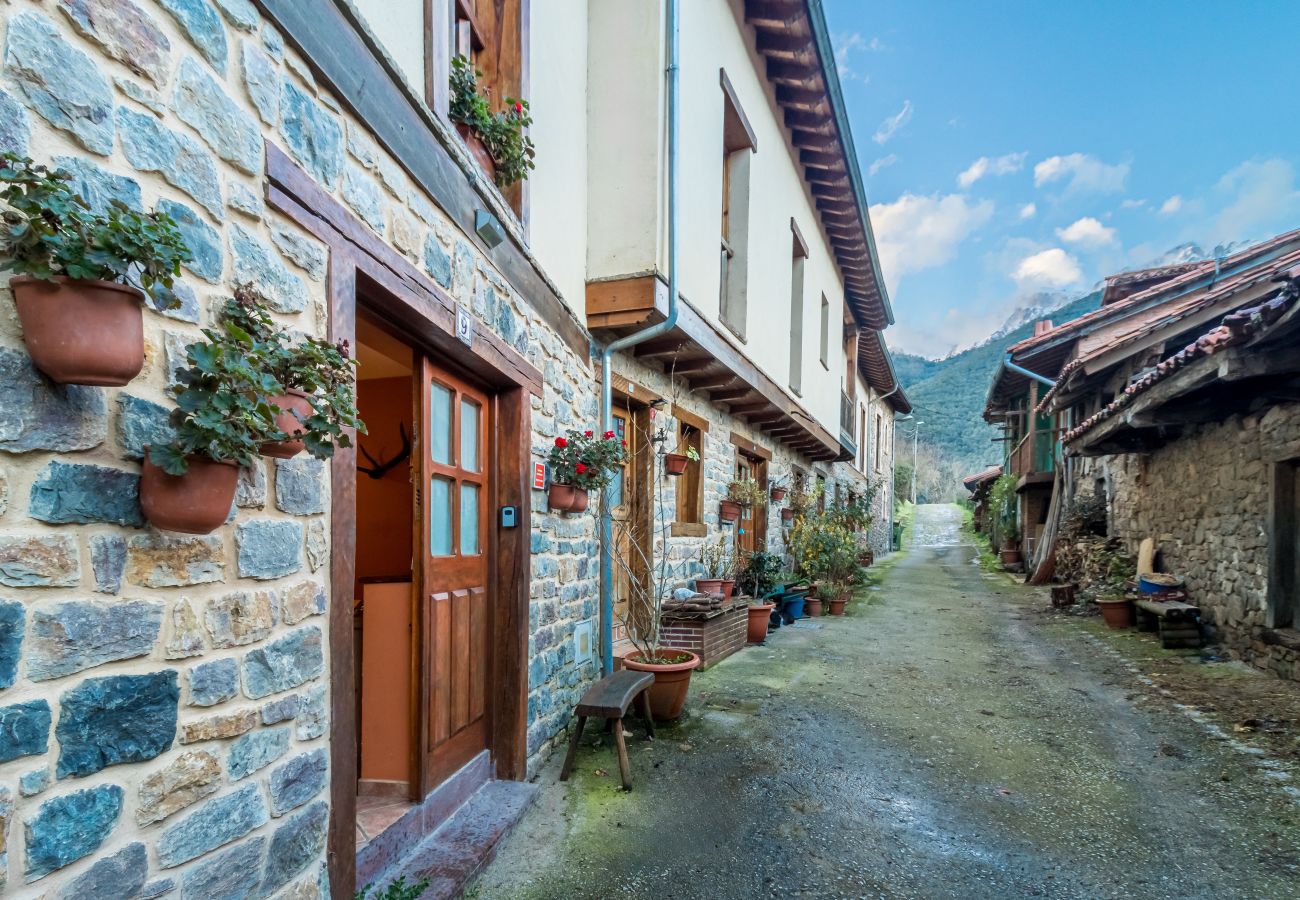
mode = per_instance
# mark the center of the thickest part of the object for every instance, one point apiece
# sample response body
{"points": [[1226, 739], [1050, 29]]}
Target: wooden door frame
{"points": [[641, 502], [364, 270]]}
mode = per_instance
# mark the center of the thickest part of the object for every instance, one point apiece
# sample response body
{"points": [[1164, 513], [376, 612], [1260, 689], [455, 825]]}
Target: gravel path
{"points": [[940, 741]]}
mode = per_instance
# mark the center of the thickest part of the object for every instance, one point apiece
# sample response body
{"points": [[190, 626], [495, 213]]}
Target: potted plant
{"points": [[787, 514], [497, 141], [716, 560], [224, 416], [1010, 552], [82, 320], [741, 493], [758, 580], [777, 490], [675, 463], [316, 396], [1117, 610], [581, 462]]}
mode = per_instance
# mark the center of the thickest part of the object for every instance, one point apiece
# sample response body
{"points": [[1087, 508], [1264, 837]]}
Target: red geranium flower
{"points": [[561, 442], [580, 468], [608, 435], [624, 443], [519, 107], [586, 434]]}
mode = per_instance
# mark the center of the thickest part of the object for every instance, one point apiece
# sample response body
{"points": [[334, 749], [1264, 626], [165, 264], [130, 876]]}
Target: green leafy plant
{"points": [[503, 133], [223, 402], [761, 574], [395, 890], [586, 461], [804, 500], [854, 514], [1003, 508], [49, 231], [746, 492]]}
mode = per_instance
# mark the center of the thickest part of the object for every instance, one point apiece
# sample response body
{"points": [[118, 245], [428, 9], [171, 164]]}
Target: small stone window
{"points": [[1284, 546]]}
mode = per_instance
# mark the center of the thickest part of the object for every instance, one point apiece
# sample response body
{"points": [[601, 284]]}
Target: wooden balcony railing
{"points": [[1035, 456]]}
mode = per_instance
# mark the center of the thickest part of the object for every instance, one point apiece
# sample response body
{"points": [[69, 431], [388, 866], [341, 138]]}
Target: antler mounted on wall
{"points": [[378, 469]]}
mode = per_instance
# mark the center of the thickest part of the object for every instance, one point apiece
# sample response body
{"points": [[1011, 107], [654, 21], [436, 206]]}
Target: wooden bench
{"points": [[1179, 623], [610, 698]]}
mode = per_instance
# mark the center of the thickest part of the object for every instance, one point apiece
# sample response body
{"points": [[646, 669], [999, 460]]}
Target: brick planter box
{"points": [[714, 635]]}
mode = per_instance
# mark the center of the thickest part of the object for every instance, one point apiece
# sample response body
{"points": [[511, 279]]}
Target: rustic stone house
{"points": [[200, 715], [1177, 401]]}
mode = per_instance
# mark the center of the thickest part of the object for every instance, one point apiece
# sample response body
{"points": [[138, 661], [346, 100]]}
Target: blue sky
{"points": [[1015, 147]]}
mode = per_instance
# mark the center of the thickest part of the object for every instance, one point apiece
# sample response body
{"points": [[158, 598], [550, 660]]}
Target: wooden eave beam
{"points": [[793, 73], [807, 120], [812, 140]]}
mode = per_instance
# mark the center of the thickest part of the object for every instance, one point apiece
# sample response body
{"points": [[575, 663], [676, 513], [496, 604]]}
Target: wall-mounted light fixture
{"points": [[488, 227]]}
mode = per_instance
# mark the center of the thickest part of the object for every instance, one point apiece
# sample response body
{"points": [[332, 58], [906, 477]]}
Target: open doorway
{"points": [[384, 604]]}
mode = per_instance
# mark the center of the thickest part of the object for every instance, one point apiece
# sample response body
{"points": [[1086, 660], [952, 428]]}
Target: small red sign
{"points": [[539, 476]]}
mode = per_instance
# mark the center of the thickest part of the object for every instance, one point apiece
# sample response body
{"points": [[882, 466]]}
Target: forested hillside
{"points": [[948, 395]]}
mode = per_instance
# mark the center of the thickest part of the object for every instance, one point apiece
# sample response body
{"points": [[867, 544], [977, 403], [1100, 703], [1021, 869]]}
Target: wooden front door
{"points": [[628, 508], [456, 613], [751, 531]]}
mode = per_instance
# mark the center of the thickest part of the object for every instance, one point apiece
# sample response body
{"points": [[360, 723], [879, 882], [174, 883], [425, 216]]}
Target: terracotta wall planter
{"points": [[729, 510], [759, 616], [672, 682], [286, 421], [778, 494], [81, 332], [566, 498], [478, 150], [197, 502], [675, 463]]}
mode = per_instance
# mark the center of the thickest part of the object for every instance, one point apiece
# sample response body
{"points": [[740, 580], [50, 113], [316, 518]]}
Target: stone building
{"points": [[198, 716], [1176, 400]]}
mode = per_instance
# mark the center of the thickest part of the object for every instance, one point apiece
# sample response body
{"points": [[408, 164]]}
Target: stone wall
{"points": [[163, 698], [1204, 498]]}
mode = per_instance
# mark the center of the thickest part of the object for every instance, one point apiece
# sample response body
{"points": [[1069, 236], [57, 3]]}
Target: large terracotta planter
{"points": [[478, 150], [837, 605], [675, 463], [197, 502], [672, 682], [728, 587], [560, 497], [708, 585], [812, 606], [81, 332], [288, 404], [1010, 557], [1117, 613], [729, 510], [760, 615]]}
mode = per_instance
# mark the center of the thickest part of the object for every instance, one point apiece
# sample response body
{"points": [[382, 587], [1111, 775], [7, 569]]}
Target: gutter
{"points": [[671, 74], [1021, 370]]}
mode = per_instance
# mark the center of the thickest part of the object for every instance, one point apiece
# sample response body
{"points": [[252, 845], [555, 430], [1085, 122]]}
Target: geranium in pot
{"points": [[82, 320], [498, 141], [315, 381], [675, 463], [580, 463], [741, 493]]}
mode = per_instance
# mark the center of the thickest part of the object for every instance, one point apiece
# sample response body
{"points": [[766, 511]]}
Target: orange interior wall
{"points": [[384, 505]]}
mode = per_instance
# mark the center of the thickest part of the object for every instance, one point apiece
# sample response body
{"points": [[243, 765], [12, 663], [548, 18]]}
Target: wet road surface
{"points": [[940, 741]]}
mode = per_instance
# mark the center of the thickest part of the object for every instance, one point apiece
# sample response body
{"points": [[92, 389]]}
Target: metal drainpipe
{"points": [[1020, 370], [667, 325]]}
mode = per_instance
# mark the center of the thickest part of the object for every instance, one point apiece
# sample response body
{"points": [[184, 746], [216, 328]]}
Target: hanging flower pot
{"points": [[760, 615], [559, 497], [672, 671], [197, 502], [294, 401], [675, 463], [778, 494], [787, 514], [81, 332], [580, 500], [478, 150], [729, 511]]}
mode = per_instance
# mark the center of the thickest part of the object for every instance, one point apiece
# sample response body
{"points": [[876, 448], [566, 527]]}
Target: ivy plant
{"points": [[48, 231]]}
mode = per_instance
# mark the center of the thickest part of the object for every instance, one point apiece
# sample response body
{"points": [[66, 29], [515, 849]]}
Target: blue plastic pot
{"points": [[793, 608]]}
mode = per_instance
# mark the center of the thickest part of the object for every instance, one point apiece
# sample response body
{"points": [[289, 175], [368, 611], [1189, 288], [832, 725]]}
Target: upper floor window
{"points": [[738, 147], [798, 258], [826, 333]]}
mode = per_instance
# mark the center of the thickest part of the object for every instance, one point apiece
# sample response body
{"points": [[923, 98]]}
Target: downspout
{"points": [[1020, 370], [645, 334]]}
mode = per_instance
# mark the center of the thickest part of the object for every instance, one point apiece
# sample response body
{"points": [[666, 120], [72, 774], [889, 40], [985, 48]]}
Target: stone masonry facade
{"points": [[1204, 498], [164, 707]]}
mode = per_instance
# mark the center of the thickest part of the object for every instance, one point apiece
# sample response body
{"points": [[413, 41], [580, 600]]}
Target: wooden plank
{"points": [[622, 294], [440, 639], [460, 653], [509, 588], [738, 133], [612, 695], [345, 63], [750, 447], [685, 415]]}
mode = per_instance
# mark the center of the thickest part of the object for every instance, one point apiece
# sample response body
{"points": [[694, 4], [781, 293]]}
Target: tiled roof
{"points": [[877, 366], [973, 481], [1124, 284], [1236, 328], [1143, 323]]}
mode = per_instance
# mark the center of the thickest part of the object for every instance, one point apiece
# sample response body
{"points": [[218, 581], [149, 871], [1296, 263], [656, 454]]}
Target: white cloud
{"points": [[1171, 206], [1262, 200], [883, 163], [1029, 210], [995, 165], [1087, 232], [916, 232], [1132, 204], [848, 45], [1052, 268], [1081, 172], [890, 126]]}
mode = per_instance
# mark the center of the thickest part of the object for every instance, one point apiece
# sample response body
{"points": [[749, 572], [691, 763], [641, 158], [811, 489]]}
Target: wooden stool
{"points": [[609, 698]]}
